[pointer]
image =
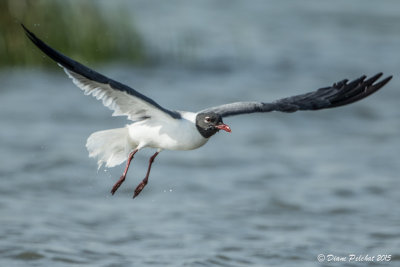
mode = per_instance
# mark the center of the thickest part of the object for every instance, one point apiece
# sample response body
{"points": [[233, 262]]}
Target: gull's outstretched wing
{"points": [[123, 99], [339, 94]]}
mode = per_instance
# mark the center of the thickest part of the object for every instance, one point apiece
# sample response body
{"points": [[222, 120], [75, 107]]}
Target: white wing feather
{"points": [[122, 103]]}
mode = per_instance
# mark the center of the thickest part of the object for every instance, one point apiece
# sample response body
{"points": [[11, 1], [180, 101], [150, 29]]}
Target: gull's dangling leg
{"points": [[140, 187], [122, 178]]}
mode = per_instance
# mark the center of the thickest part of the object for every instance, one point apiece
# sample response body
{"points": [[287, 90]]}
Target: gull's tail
{"points": [[110, 147]]}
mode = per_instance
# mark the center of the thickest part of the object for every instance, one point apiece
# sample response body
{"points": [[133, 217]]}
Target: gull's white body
{"points": [[163, 134], [112, 147]]}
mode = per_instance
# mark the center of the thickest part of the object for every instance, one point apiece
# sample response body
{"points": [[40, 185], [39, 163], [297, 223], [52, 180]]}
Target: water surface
{"points": [[279, 190]]}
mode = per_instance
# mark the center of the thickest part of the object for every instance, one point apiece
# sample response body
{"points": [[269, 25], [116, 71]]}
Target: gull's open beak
{"points": [[224, 127]]}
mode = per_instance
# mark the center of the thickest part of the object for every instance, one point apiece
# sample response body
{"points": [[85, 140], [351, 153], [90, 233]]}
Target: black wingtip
{"points": [[359, 80], [360, 91], [373, 79], [383, 82], [28, 32], [375, 87], [50, 52], [33, 38], [376, 76]]}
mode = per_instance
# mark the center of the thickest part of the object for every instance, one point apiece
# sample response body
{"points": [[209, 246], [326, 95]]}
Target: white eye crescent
{"points": [[207, 119]]}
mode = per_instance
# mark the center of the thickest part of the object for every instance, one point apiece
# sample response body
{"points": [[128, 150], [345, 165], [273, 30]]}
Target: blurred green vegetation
{"points": [[79, 29]]}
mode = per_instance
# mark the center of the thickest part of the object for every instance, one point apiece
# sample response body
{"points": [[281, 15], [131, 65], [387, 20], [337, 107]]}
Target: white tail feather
{"points": [[110, 147]]}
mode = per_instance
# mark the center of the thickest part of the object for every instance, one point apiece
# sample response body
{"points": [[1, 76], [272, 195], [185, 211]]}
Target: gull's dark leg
{"points": [[122, 178], [140, 187]]}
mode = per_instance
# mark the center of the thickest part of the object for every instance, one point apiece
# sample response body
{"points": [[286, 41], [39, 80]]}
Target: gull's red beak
{"points": [[224, 127]]}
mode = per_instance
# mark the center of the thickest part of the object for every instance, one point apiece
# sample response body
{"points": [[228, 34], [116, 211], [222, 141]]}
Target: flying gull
{"points": [[154, 126]]}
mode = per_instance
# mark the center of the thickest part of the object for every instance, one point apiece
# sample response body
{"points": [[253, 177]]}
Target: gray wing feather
{"points": [[339, 94]]}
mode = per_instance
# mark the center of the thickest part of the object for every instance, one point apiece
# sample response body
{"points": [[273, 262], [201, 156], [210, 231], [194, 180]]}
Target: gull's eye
{"points": [[207, 119]]}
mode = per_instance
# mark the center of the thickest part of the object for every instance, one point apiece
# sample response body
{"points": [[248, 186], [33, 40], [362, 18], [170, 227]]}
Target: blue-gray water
{"points": [[278, 191]]}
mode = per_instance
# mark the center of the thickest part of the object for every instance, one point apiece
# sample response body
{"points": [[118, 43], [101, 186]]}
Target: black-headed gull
{"points": [[157, 127]]}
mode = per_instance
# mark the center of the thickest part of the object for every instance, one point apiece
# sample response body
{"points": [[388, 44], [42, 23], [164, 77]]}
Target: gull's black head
{"points": [[209, 123]]}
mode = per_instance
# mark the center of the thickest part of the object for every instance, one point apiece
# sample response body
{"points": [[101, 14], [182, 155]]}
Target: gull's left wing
{"points": [[339, 94], [119, 97]]}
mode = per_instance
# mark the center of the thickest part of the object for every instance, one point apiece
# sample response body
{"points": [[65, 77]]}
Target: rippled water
{"points": [[279, 190]]}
